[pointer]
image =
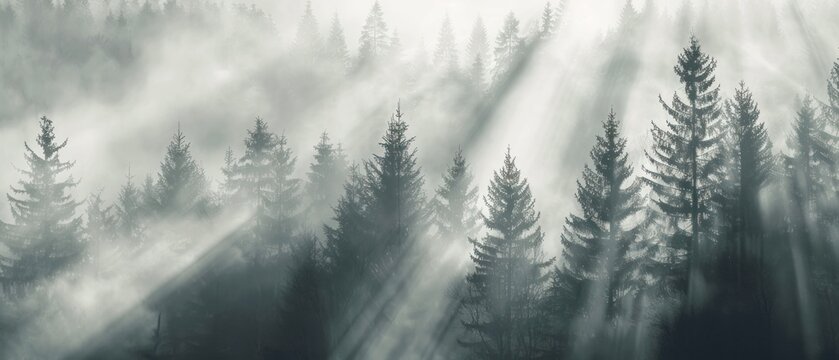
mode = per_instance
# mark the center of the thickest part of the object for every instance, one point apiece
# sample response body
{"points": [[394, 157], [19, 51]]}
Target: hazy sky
{"points": [[549, 116]]}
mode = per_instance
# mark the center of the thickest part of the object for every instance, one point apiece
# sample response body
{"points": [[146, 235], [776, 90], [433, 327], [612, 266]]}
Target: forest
{"points": [[611, 179]]}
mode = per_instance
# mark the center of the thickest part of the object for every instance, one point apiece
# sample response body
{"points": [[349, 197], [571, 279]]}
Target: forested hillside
{"points": [[202, 180]]}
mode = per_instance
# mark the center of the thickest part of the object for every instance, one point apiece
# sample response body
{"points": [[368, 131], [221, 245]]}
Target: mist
{"points": [[371, 242]]}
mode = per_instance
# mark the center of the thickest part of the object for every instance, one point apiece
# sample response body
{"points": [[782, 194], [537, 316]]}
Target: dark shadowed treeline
{"points": [[717, 243]]}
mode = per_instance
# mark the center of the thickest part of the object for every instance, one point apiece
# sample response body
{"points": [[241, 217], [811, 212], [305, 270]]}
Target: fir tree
{"points": [[686, 163], [129, 211], [833, 93], [181, 184], [456, 203], [445, 56], [374, 41], [548, 24], [303, 311], [336, 45], [478, 45], [149, 198], [476, 76], [749, 167], [596, 243], [346, 243], [508, 47], [810, 153], [502, 314], [283, 200], [807, 172], [628, 16], [253, 171], [394, 48], [99, 230], [228, 186], [326, 177], [46, 231], [308, 40], [396, 204]]}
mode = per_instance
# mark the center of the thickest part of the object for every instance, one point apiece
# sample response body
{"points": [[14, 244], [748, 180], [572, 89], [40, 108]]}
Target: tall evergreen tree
{"points": [[597, 267], [308, 40], [149, 198], [181, 184], [548, 23], [808, 178], [99, 231], [476, 76], [396, 204], [336, 45], [374, 41], [508, 47], [283, 201], [749, 167], [394, 48], [686, 164], [326, 177], [478, 45], [810, 155], [129, 211], [445, 55], [346, 246], [502, 315], [228, 186], [253, 171], [303, 311], [833, 93], [456, 203], [45, 236]]}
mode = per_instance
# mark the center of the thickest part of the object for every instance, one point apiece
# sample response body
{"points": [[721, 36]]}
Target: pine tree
{"points": [[99, 231], [336, 45], [372, 249], [749, 167], [686, 164], [396, 204], [326, 178], [810, 153], [629, 16], [445, 56], [596, 243], [308, 40], [303, 311], [150, 203], [508, 47], [808, 180], [502, 314], [833, 93], [254, 167], [283, 200], [456, 203], [45, 236], [548, 24], [228, 186], [478, 45], [129, 211], [394, 49], [374, 41], [181, 184], [476, 76], [255, 184], [346, 243]]}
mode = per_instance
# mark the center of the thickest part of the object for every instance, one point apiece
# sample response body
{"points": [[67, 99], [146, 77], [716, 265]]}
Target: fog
{"points": [[211, 78]]}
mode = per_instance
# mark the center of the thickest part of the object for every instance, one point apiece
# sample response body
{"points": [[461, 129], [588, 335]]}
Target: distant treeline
{"points": [[718, 246]]}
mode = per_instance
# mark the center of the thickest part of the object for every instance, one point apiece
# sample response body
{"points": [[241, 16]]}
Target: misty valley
{"points": [[440, 179]]}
